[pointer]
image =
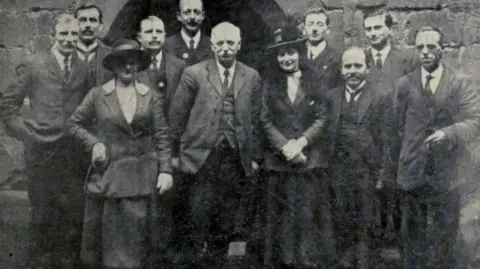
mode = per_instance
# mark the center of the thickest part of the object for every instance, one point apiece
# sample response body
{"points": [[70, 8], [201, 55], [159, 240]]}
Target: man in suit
{"points": [[214, 118], [356, 113], [435, 112], [165, 70], [321, 56], [54, 82], [390, 63], [190, 44], [90, 48]]}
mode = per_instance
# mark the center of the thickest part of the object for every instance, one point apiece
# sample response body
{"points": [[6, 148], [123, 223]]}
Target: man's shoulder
{"points": [[248, 70], [173, 39], [172, 59]]}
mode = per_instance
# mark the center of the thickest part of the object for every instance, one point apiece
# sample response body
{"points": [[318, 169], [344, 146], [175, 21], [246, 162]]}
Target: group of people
{"points": [[158, 146]]}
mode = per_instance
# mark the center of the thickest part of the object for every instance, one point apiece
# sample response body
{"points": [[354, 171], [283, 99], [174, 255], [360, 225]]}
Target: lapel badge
{"points": [[185, 55], [324, 67], [161, 84], [311, 103]]}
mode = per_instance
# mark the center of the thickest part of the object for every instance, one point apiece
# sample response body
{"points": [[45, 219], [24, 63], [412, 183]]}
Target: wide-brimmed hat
{"points": [[127, 49], [285, 36]]}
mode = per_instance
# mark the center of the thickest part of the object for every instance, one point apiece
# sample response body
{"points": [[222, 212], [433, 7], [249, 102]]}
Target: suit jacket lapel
{"points": [[238, 79], [417, 88], [338, 97], [364, 101], [214, 77], [169, 73], [443, 90], [111, 101], [54, 67], [300, 92]]}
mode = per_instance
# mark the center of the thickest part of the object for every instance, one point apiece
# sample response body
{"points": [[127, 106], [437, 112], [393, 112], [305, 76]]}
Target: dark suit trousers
{"points": [[220, 199], [429, 228], [55, 191]]}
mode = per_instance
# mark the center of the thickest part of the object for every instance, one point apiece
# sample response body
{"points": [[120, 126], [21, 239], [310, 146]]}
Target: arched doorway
{"points": [[256, 18]]}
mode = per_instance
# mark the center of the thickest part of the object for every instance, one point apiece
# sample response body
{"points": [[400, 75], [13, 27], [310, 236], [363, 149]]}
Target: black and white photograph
{"points": [[239, 134]]}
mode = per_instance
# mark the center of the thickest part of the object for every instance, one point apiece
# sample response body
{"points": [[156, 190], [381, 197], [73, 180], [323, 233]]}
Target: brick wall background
{"points": [[25, 29]]}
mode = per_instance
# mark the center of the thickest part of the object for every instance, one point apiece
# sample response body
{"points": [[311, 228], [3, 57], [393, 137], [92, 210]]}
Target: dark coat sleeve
{"points": [[12, 100], [181, 105], [84, 117], [467, 118], [275, 137], [161, 134], [257, 128], [317, 129]]}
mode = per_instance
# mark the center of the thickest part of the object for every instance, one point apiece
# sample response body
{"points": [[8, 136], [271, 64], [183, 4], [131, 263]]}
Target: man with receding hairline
{"points": [[190, 44], [54, 82], [215, 122], [164, 73], [434, 114], [355, 138]]}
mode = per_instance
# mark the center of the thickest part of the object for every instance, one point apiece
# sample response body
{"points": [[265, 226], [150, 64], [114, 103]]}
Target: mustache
{"points": [[192, 22], [353, 75], [87, 31], [155, 42]]}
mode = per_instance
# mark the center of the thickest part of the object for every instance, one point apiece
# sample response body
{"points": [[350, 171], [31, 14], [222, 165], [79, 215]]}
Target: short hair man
{"points": [[389, 63], [190, 44], [165, 71], [320, 55], [214, 118], [355, 136], [434, 114], [54, 82], [90, 48]]}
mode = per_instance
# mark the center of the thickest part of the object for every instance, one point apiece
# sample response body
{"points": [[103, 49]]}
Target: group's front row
{"points": [[318, 156]]}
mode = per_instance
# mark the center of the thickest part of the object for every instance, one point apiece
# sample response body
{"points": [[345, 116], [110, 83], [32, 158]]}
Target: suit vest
{"points": [[226, 129]]}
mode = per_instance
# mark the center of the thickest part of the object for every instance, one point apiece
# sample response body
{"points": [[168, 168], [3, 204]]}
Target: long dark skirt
{"points": [[298, 229], [125, 233]]}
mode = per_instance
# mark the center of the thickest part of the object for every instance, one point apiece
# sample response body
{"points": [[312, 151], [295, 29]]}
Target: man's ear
{"points": [[327, 32]]}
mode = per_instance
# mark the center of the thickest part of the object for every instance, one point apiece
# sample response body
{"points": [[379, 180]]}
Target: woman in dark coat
{"points": [[298, 231], [125, 223]]}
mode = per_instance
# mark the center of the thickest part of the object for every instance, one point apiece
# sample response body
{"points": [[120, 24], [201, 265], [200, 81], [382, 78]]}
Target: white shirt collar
{"points": [[349, 90], [316, 50], [84, 48], [383, 52], [221, 71], [60, 58], [186, 38], [109, 87], [437, 74]]}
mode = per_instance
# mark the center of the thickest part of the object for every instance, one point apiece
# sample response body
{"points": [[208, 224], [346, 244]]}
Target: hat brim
{"points": [[283, 44], [141, 57]]}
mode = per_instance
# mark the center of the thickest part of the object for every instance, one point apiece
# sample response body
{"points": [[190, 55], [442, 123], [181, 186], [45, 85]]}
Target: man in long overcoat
{"points": [[214, 118], [434, 113], [355, 133], [54, 82]]}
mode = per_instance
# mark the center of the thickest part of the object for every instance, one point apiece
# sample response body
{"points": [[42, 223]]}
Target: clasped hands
{"points": [[293, 150], [99, 157]]}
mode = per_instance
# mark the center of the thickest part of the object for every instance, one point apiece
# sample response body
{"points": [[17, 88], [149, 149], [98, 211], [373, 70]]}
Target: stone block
{"points": [[463, 4], [35, 5], [9, 59], [336, 36], [469, 62], [371, 3], [42, 42], [471, 29], [449, 23], [416, 4], [16, 29], [300, 6], [44, 21], [334, 4]]}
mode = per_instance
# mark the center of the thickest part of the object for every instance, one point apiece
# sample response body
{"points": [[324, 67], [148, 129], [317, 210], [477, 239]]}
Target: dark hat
{"points": [[287, 35], [127, 49]]}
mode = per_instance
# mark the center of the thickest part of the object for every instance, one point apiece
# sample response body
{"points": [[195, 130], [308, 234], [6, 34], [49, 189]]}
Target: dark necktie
{"points": [[311, 55], [66, 68], [192, 45], [378, 61], [226, 74], [154, 63], [427, 87], [353, 95]]}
